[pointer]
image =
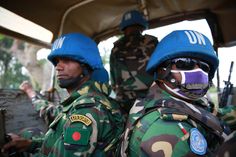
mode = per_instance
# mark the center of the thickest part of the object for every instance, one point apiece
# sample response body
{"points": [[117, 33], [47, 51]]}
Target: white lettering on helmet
{"points": [[128, 16], [195, 37], [58, 43]]}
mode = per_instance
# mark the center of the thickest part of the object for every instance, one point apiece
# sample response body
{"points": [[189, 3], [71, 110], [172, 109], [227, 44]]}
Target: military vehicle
{"points": [[100, 20]]}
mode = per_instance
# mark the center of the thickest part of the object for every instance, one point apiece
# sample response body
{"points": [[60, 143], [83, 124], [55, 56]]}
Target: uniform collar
{"points": [[156, 93], [88, 87]]}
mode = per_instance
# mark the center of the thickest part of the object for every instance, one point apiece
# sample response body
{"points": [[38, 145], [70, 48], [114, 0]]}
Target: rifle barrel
{"points": [[230, 70]]}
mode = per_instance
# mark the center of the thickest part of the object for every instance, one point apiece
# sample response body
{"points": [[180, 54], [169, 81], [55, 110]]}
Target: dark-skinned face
{"points": [[68, 73]]}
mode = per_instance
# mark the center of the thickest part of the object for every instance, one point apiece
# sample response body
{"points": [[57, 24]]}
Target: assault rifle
{"points": [[226, 96]]}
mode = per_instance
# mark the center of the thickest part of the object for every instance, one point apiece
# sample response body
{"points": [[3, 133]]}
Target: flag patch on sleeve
{"points": [[76, 136]]}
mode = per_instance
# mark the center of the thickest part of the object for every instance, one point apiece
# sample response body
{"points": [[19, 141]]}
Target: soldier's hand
{"points": [[28, 89], [228, 115], [25, 85], [17, 143]]}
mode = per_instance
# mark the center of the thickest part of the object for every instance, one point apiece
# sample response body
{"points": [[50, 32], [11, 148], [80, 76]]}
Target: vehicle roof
{"points": [[100, 19]]}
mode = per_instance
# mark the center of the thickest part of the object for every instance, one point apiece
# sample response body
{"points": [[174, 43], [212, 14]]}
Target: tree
{"points": [[10, 69], [25, 53]]}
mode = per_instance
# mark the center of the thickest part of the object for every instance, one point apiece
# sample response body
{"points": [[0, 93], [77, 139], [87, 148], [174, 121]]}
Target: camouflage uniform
{"points": [[228, 115], [47, 110], [32, 134], [89, 125], [153, 130], [128, 60]]}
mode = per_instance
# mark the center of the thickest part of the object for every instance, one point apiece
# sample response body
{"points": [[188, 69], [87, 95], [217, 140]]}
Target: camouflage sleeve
{"points": [[152, 40], [34, 134], [36, 144], [161, 139], [88, 132], [47, 110], [112, 69], [228, 115]]}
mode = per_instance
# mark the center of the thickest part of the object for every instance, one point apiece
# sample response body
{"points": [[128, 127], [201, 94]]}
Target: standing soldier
{"points": [[128, 60], [173, 120], [88, 124]]}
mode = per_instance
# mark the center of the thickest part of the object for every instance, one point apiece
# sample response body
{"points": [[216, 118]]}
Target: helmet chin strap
{"points": [[175, 92], [174, 83], [167, 76]]}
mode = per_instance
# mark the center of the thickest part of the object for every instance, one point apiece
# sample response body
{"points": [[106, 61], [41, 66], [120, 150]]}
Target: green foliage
{"points": [[10, 69], [42, 61], [105, 57], [6, 42], [1, 36]]}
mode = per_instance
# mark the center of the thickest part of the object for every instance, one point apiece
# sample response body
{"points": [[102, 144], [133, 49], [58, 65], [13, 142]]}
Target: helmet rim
{"points": [[133, 17], [174, 46]]}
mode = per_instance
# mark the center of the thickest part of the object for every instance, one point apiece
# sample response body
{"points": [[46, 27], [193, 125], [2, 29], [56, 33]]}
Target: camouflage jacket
{"points": [[161, 125], [46, 109], [88, 125], [228, 116], [128, 61]]}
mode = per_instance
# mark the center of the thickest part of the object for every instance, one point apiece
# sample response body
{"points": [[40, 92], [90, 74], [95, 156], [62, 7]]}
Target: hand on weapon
{"points": [[4, 138], [16, 144]]}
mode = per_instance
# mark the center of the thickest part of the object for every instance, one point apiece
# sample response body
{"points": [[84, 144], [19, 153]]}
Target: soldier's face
{"points": [[133, 29], [67, 69], [183, 64], [188, 78]]}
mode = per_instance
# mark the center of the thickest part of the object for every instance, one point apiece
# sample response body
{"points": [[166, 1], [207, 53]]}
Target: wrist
{"points": [[33, 98], [33, 146], [31, 94]]}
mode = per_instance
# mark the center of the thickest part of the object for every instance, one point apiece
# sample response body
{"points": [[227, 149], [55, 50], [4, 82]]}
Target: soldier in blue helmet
{"points": [[174, 119], [88, 122], [128, 60]]}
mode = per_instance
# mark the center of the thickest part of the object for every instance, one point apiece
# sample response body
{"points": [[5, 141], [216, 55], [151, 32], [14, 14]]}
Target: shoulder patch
{"points": [[80, 118], [76, 136], [198, 143]]}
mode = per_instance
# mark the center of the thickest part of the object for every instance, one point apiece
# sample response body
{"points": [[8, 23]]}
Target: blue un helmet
{"points": [[81, 48], [131, 18], [183, 43]]}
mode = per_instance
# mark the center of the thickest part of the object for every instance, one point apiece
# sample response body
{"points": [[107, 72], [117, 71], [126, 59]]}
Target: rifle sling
{"points": [[196, 113]]}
